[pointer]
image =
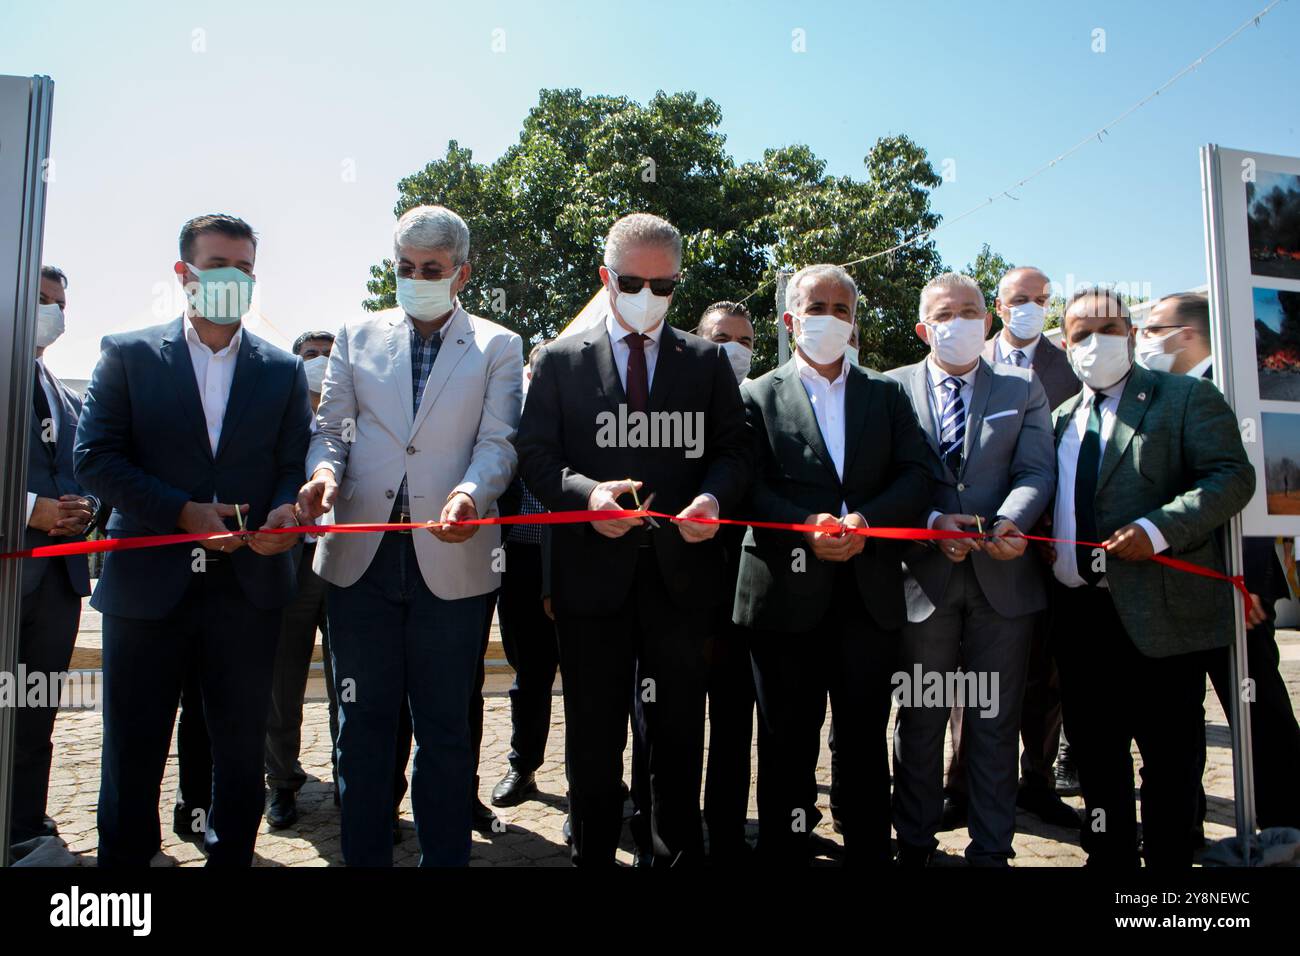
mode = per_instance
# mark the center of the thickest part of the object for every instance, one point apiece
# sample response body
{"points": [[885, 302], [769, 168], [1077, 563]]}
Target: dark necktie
{"points": [[1085, 491], [39, 399], [952, 427], [638, 379]]}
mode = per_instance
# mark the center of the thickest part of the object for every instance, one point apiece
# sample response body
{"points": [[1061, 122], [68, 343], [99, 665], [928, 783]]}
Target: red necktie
{"points": [[638, 380]]}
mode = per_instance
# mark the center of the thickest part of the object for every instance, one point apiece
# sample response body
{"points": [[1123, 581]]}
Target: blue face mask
{"points": [[223, 295]]}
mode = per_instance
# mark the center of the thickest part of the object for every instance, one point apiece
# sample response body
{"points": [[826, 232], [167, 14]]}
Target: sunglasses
{"points": [[634, 284]]}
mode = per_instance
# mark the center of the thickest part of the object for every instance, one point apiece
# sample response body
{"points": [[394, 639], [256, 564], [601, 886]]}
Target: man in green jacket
{"points": [[1147, 464]]}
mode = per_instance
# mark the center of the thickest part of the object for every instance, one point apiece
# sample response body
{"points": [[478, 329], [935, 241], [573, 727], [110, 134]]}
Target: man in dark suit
{"points": [[836, 444], [1176, 339], [57, 511], [1147, 463], [1021, 304], [634, 406], [195, 426]]}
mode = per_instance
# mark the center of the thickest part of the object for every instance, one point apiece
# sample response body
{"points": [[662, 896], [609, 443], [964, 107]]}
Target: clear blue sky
{"points": [[148, 132]]}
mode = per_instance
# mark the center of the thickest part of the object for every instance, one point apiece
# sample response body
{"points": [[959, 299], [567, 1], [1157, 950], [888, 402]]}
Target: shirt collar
{"points": [[617, 333], [1111, 391], [192, 336], [442, 329], [1200, 368], [937, 375], [1005, 348], [806, 371]]}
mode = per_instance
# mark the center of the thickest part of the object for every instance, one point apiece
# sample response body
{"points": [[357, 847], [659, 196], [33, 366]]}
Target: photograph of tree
{"points": [[1277, 343], [1273, 221], [1282, 462]]}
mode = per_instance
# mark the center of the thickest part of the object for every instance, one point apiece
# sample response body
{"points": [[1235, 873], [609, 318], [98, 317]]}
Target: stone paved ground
{"points": [[532, 837]]}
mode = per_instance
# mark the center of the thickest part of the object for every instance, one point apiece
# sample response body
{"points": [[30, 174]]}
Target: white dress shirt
{"points": [[213, 373], [827, 400], [936, 376], [1066, 566], [1200, 368], [617, 333], [1002, 350], [56, 419]]}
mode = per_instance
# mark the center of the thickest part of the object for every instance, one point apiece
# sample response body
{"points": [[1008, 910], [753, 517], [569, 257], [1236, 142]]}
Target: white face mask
{"points": [[315, 369], [1153, 354], [49, 324], [740, 358], [851, 353], [1101, 361], [426, 299], [822, 338], [640, 312], [957, 342], [1026, 320]]}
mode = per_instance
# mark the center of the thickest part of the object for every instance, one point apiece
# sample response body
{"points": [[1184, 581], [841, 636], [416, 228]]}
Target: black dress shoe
{"points": [[482, 819], [189, 822], [913, 857], [1047, 806], [283, 811], [954, 811], [515, 787]]}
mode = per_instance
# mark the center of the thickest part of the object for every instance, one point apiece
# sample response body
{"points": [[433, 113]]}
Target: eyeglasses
{"points": [[634, 284], [1160, 328], [433, 273]]}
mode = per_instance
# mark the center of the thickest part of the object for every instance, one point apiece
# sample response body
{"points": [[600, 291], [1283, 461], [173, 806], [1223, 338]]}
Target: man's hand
{"points": [[316, 497], [830, 545], [604, 497], [282, 517], [956, 549], [856, 541], [1258, 613], [65, 517], [1006, 543], [702, 507], [201, 518], [459, 507], [1130, 543], [546, 607]]}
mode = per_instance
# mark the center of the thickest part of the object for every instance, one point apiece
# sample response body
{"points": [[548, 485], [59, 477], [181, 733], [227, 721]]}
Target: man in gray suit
{"points": [[1147, 463], [1021, 304], [971, 603]]}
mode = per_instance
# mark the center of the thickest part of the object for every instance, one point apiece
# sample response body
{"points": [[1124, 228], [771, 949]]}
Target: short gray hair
{"points": [[433, 227], [820, 271], [641, 229], [947, 280]]}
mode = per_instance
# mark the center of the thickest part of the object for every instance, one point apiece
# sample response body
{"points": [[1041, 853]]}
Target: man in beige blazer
{"points": [[417, 417]]}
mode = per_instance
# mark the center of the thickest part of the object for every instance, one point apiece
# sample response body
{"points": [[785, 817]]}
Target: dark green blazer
{"points": [[1176, 459]]}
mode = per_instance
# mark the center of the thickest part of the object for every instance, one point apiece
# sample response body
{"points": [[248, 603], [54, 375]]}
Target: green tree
{"points": [[988, 269], [539, 213]]}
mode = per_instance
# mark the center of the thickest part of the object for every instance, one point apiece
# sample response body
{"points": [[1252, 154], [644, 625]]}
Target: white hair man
{"points": [[418, 411], [838, 446], [634, 598]]}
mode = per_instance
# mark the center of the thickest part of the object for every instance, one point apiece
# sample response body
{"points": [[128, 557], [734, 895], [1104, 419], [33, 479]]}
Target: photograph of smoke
{"points": [[1277, 344], [1282, 463], [1273, 222]]}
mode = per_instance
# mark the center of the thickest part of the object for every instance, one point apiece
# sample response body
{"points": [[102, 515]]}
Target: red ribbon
{"points": [[578, 517]]}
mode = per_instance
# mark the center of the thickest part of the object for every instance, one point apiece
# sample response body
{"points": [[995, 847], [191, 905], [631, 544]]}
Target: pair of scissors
{"points": [[645, 506]]}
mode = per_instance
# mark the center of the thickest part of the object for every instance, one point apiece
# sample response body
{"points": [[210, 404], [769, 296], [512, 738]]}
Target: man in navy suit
{"points": [[57, 512], [193, 426]]}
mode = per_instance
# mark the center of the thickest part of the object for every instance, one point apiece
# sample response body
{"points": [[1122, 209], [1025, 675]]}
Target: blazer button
{"points": [[960, 486], [410, 449], [389, 493]]}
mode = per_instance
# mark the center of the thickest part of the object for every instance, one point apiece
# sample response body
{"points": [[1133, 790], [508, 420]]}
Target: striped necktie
{"points": [[1018, 358], [952, 429]]}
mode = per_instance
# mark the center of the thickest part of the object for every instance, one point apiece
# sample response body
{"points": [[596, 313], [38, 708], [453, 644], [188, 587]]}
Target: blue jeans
{"points": [[391, 636]]}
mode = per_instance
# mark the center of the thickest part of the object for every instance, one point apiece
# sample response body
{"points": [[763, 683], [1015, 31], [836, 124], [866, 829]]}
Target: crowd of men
{"points": [[426, 415]]}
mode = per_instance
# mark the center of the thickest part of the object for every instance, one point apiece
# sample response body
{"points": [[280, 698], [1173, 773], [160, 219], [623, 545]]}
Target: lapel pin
{"points": [[1142, 396], [460, 341]]}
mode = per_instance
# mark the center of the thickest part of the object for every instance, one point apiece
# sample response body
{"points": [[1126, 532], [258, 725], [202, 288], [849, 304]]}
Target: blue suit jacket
{"points": [[142, 444]]}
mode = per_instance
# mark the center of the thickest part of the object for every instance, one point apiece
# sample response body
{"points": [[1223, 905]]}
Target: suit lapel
{"points": [[399, 354], [1133, 404], [248, 368], [1064, 414], [666, 364], [797, 410], [919, 385], [456, 341], [857, 397], [975, 414], [176, 356], [601, 355]]}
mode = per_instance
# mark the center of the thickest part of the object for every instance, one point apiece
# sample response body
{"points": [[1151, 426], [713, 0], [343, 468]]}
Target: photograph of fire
{"points": [[1277, 344], [1282, 462], [1273, 221]]}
